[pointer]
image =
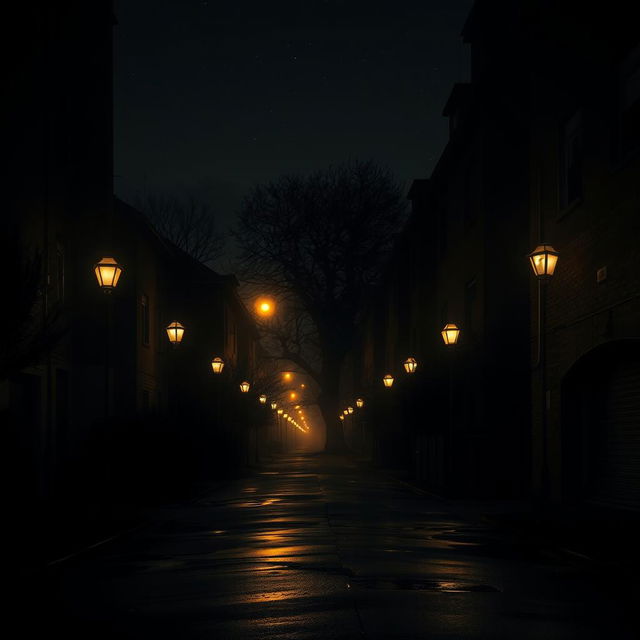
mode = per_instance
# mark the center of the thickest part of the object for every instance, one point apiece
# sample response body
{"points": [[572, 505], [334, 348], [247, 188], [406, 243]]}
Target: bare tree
{"points": [[189, 224], [317, 243]]}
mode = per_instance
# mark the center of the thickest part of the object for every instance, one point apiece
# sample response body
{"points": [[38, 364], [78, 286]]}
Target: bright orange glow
{"points": [[287, 376], [303, 386], [265, 307], [293, 395]]}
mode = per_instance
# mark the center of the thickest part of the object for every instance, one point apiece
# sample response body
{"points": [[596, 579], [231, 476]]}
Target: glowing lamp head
{"points": [[217, 365], [107, 273], [450, 334], [285, 416], [543, 260], [263, 399], [388, 380], [341, 417], [345, 412], [264, 307], [410, 365], [244, 386], [280, 412], [287, 376], [175, 332], [359, 403], [274, 406], [293, 395], [350, 409]]}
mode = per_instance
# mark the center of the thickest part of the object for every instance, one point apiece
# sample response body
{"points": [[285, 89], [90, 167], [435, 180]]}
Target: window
{"points": [[144, 319], [571, 161], [628, 138]]}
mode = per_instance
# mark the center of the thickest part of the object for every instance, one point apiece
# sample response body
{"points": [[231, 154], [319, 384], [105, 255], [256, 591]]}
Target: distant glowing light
{"points": [[388, 380]]}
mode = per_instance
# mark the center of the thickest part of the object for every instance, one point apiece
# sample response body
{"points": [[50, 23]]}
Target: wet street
{"points": [[320, 548]]}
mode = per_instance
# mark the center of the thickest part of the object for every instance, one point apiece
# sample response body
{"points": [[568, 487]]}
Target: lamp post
{"points": [[108, 273], [543, 260], [450, 334]]}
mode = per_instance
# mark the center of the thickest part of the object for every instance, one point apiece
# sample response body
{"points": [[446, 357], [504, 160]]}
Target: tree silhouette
{"points": [[189, 224], [317, 243]]}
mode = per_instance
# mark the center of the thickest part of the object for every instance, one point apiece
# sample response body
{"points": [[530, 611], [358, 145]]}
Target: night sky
{"points": [[213, 97]]}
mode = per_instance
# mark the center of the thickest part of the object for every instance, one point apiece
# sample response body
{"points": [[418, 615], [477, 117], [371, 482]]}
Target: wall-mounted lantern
{"points": [[108, 273], [175, 333], [410, 365], [450, 334], [388, 380], [244, 386], [217, 364]]}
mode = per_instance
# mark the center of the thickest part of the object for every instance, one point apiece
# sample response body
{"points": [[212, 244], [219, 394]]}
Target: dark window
{"points": [[144, 319], [629, 104], [571, 160]]}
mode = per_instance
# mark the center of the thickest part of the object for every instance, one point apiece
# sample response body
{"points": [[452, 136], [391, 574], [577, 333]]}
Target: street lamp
{"points": [[410, 365], [341, 417], [244, 386], [350, 409], [345, 412], [280, 412], [450, 334], [217, 364], [388, 380], [359, 403], [263, 399], [543, 260], [175, 332], [108, 273], [274, 406]]}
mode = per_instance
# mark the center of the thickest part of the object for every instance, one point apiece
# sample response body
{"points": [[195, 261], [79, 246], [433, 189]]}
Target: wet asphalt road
{"points": [[319, 548]]}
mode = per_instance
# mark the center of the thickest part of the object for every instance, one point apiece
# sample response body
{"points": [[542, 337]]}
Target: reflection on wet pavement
{"points": [[317, 547]]}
